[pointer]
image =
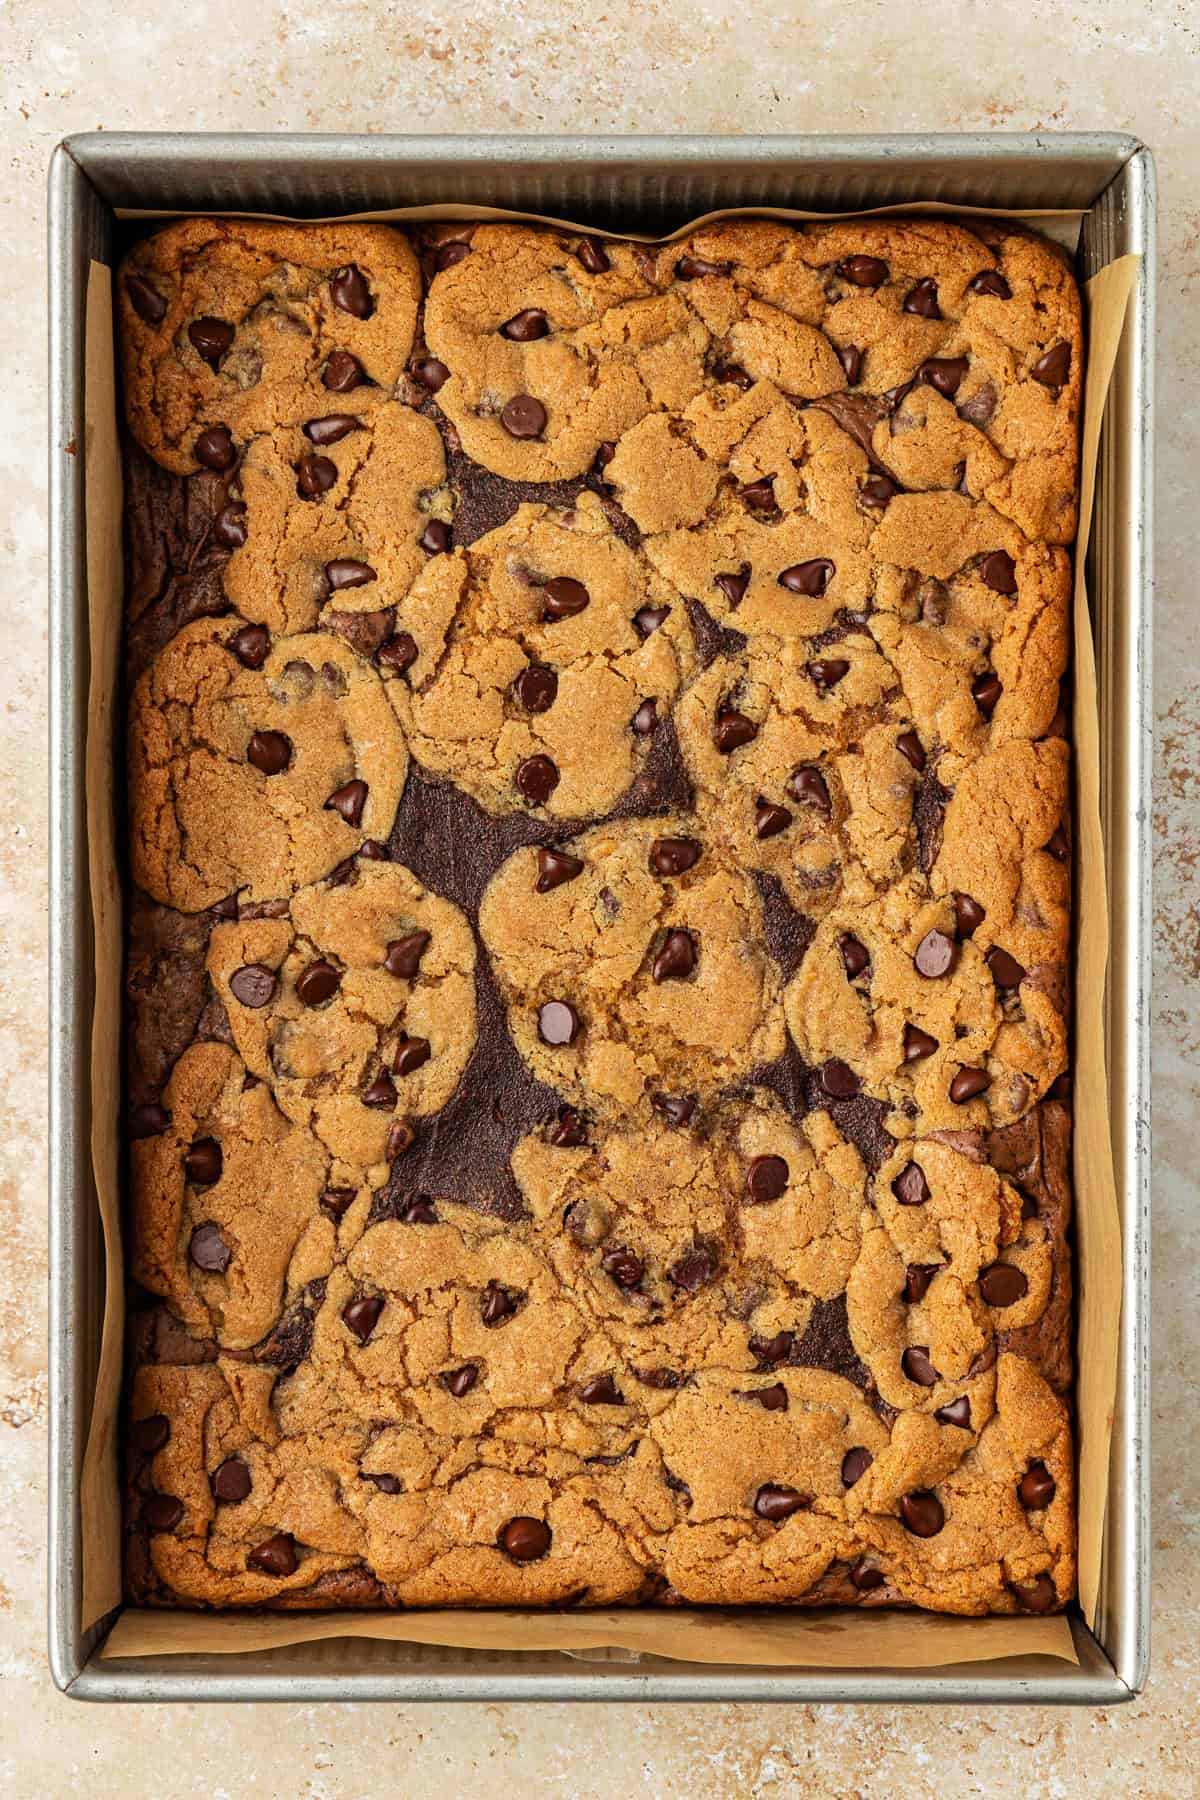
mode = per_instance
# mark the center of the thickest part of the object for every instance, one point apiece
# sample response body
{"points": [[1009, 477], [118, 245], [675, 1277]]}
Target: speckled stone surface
{"points": [[666, 65]]}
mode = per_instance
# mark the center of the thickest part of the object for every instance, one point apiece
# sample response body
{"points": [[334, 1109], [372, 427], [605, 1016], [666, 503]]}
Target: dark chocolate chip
{"points": [[432, 374], [967, 1084], [693, 268], [460, 1381], [986, 690], [866, 1577], [878, 489], [976, 409], [695, 1268], [734, 373], [851, 361], [1053, 366], [214, 448], [399, 652], [412, 1053], [448, 254], [162, 1512], [771, 1399], [673, 856], [536, 778], [807, 785], [922, 1513], [347, 572], [917, 1044], [767, 1179], [1057, 845], [401, 1137], [603, 457], [1037, 1596], [968, 915], [1001, 1284], [677, 957], [536, 688], [855, 1464], [910, 747], [855, 956], [936, 955], [649, 618], [498, 1304], [524, 1540], [769, 819], [231, 1481], [275, 1556], [226, 908], [349, 291], [1036, 1488], [998, 571], [361, 1315], [1007, 972], [229, 527], [253, 985], [676, 1109], [317, 983], [404, 954], [568, 1132], [210, 339], [811, 578], [436, 538], [145, 300], [760, 494], [592, 255], [208, 1249], [917, 1278], [734, 586], [563, 598], [342, 374], [150, 1434], [910, 1186], [863, 271], [775, 1502], [917, 1366], [348, 801], [524, 327], [387, 1484], [732, 730], [419, 1210], [315, 475], [990, 281], [269, 751], [923, 299], [203, 1163], [558, 1023], [775, 1349], [827, 671], [336, 1202], [943, 373], [839, 1080], [381, 1093], [601, 1390], [623, 1267], [644, 719], [524, 417], [554, 868], [148, 1121], [958, 1412]]}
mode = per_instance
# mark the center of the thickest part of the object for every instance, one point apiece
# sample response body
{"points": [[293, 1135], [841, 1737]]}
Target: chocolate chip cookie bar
{"points": [[598, 916]]}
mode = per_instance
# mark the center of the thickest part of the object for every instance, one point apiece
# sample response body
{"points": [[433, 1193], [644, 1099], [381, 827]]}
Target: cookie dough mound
{"points": [[372, 495], [252, 327], [317, 1012], [625, 980], [539, 649], [256, 778]]}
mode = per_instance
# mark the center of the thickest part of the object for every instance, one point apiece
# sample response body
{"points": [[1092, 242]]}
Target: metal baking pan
{"points": [[651, 183]]}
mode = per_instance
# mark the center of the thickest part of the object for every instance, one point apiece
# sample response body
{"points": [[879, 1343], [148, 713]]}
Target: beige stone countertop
{"points": [[665, 66]]}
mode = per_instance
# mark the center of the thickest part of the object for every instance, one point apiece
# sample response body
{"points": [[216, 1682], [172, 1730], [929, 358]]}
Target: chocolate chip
{"points": [[432, 374], [623, 1267], [839, 1080], [1053, 367], [460, 1381], [851, 361], [732, 730], [734, 586], [976, 409], [269, 751], [524, 327], [317, 983], [734, 373], [592, 255], [558, 1023], [536, 688], [863, 271], [347, 572], [601, 1390], [910, 748], [401, 1137], [537, 777], [922, 1513], [524, 1539], [958, 1412], [1036, 1488], [917, 1366], [148, 1121], [150, 1434], [944, 373], [855, 956], [677, 957], [968, 915], [569, 1132], [229, 526], [769, 819], [807, 785], [336, 1202], [381, 1093], [387, 1484], [498, 1304], [399, 652], [936, 955], [210, 339], [760, 494], [986, 690], [775, 1502], [162, 1512], [1057, 845], [866, 1577], [331, 429], [645, 719], [214, 448], [1007, 972], [231, 1481], [917, 1044], [145, 300], [917, 1278], [524, 417], [1001, 1284], [855, 1464], [564, 598], [404, 954], [767, 1179], [253, 985], [203, 1163], [878, 489], [990, 281], [676, 1109], [827, 671], [436, 538], [773, 1350], [692, 268], [811, 578], [923, 299], [771, 1399], [342, 374], [226, 908], [554, 868], [349, 801], [967, 1084], [910, 1186], [208, 1249], [673, 856], [998, 571], [361, 1315], [276, 1556], [695, 1268], [1036, 1596], [349, 291], [650, 618], [448, 254], [412, 1053]]}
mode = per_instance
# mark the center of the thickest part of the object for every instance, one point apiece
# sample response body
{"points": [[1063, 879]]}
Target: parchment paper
{"points": [[834, 1638]]}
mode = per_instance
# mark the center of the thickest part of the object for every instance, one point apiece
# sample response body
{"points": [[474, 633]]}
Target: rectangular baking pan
{"points": [[654, 184]]}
